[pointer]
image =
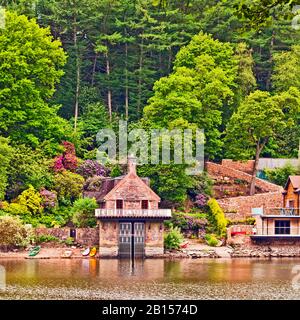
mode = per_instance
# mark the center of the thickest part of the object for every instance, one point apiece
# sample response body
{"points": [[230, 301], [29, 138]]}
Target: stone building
{"points": [[130, 221], [283, 222]]}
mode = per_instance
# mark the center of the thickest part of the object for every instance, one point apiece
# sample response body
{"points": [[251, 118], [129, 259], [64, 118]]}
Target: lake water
{"points": [[151, 279]]}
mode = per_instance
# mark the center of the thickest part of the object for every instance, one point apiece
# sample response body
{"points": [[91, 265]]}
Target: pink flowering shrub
{"points": [[68, 160]]}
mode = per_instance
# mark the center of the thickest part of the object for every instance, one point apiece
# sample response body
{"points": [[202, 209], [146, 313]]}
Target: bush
{"points": [[13, 232], [93, 183], [45, 238], [49, 198], [6, 153], [28, 168], [216, 218], [90, 168], [31, 200], [173, 238], [69, 241], [84, 212], [249, 221], [16, 209], [68, 185], [201, 200], [211, 240], [280, 175], [204, 185], [186, 221], [68, 160]]}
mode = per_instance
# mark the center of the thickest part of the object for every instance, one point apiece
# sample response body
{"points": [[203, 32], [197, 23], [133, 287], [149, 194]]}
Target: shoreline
{"points": [[191, 253]]}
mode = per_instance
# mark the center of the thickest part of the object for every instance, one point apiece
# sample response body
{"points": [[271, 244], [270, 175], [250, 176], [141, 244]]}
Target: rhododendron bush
{"points": [[67, 160]]}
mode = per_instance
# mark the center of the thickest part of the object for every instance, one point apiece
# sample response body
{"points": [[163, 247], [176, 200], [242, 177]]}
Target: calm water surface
{"points": [[150, 279]]}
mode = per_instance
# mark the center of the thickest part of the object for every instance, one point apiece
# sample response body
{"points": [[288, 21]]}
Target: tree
{"points": [[83, 211], [198, 92], [68, 185], [259, 12], [245, 79], [28, 167], [286, 72], [6, 153], [257, 120], [169, 181], [31, 63]]}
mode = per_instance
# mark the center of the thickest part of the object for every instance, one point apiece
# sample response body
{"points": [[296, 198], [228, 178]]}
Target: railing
{"points": [[281, 212], [277, 231], [119, 213]]}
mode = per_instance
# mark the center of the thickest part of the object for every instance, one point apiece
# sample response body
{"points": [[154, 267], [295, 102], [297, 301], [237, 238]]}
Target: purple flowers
{"points": [[201, 200], [49, 198], [90, 168]]}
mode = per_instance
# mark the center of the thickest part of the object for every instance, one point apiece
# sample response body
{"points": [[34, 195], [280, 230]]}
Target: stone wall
{"points": [[108, 238], [268, 248], [245, 166], [246, 228], [238, 208], [215, 169], [154, 238], [84, 236]]}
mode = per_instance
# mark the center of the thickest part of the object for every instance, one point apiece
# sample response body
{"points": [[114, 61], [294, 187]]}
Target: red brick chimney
{"points": [[131, 164]]}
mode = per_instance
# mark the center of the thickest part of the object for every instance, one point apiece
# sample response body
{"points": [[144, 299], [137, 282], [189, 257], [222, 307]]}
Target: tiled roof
{"points": [[295, 181], [107, 185]]}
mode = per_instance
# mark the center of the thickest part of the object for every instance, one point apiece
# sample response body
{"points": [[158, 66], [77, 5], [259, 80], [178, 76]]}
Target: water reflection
{"points": [[187, 278]]}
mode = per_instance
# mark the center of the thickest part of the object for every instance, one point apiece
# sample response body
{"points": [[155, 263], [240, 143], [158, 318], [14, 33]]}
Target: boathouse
{"points": [[129, 218]]}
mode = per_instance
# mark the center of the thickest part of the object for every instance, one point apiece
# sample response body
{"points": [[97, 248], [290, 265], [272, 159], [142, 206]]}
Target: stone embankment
{"points": [[241, 251]]}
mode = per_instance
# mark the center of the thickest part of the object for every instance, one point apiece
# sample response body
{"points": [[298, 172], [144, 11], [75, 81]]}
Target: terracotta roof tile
{"points": [[295, 181]]}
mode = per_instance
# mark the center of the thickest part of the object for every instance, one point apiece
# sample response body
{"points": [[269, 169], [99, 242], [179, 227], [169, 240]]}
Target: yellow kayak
{"points": [[93, 252]]}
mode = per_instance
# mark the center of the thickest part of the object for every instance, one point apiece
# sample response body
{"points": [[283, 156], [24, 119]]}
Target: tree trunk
{"points": [[259, 148], [109, 104], [169, 60], [140, 76], [268, 80], [76, 107], [126, 82], [94, 69]]}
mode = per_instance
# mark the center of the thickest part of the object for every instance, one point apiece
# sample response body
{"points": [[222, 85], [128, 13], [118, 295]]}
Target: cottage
{"points": [[130, 222], [284, 222]]}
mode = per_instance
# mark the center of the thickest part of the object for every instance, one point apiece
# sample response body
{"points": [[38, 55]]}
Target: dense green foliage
{"points": [[173, 238], [280, 175], [69, 68], [31, 65], [84, 212], [216, 218], [211, 240], [5, 157]]}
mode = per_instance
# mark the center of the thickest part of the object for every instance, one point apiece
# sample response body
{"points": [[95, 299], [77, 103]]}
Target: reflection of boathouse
{"points": [[130, 222]]}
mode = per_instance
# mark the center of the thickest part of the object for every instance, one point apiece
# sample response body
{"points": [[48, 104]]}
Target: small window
{"points": [[282, 227], [145, 204], [119, 204], [102, 205]]}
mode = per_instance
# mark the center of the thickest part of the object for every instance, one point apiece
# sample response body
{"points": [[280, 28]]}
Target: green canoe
{"points": [[34, 251]]}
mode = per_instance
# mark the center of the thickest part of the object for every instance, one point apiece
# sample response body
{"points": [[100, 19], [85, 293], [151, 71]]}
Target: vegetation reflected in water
{"points": [[150, 279]]}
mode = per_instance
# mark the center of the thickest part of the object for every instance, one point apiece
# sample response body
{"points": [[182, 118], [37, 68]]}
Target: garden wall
{"points": [[245, 166], [84, 236], [238, 208], [215, 169]]}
